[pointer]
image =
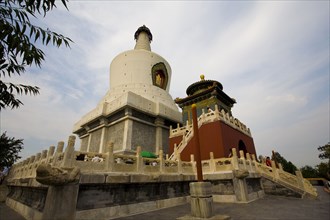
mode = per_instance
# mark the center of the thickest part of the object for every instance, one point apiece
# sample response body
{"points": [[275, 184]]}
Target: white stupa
{"points": [[137, 110]]}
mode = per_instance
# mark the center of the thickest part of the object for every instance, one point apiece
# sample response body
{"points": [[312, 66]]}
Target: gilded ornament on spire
{"points": [[143, 29]]}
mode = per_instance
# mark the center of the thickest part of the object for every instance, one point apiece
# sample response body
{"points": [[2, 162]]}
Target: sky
{"points": [[271, 56]]}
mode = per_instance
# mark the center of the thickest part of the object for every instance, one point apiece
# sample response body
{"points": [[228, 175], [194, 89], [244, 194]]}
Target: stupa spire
{"points": [[143, 38]]}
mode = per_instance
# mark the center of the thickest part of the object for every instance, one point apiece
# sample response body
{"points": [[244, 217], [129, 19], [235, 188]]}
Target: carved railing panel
{"points": [[223, 164]]}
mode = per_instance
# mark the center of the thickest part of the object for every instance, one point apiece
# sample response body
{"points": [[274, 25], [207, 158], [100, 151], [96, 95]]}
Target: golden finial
{"points": [[202, 76]]}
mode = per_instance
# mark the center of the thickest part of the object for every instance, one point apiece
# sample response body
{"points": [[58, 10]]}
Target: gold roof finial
{"points": [[202, 77]]}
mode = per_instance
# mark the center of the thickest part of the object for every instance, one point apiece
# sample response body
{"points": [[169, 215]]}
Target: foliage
{"points": [[325, 151], [323, 170], [17, 50], [309, 172], [287, 165], [9, 149]]}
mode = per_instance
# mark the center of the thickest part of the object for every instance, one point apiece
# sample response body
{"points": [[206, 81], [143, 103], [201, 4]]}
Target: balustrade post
{"points": [[241, 154], [109, 157], [241, 157], [216, 109], [26, 164], [69, 152], [139, 160], [275, 170], [44, 154], [175, 152], [19, 171], [254, 167], [234, 159], [193, 163], [34, 166], [22, 169], [59, 150], [50, 153], [161, 161], [248, 158], [212, 162], [38, 157], [60, 147], [179, 163]]}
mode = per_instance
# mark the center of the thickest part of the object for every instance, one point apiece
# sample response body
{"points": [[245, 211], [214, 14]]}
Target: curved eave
{"points": [[207, 93], [201, 85]]}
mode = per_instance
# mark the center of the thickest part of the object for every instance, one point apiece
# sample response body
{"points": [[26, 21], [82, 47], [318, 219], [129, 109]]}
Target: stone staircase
{"points": [[278, 182]]}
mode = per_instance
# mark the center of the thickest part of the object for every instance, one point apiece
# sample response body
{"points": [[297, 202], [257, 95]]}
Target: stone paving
{"points": [[268, 208]]}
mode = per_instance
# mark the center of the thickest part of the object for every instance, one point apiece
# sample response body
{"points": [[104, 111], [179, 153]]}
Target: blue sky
{"points": [[271, 56]]}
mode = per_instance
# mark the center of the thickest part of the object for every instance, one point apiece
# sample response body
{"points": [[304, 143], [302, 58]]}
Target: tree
{"points": [[324, 168], [309, 172], [9, 149], [325, 152], [18, 37], [287, 165]]}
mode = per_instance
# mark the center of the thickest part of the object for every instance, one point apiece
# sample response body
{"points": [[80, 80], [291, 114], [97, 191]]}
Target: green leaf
{"points": [[23, 29], [59, 42], [37, 36], [48, 39], [64, 3]]}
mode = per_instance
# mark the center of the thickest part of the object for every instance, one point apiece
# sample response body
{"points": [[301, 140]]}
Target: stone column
{"points": [[127, 136], [201, 199], [240, 174], [159, 122], [61, 199], [87, 128], [61, 202], [101, 148], [103, 136], [241, 191]]}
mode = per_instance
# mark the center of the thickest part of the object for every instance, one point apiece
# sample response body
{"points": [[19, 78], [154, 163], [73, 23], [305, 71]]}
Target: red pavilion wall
{"points": [[216, 137]]}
